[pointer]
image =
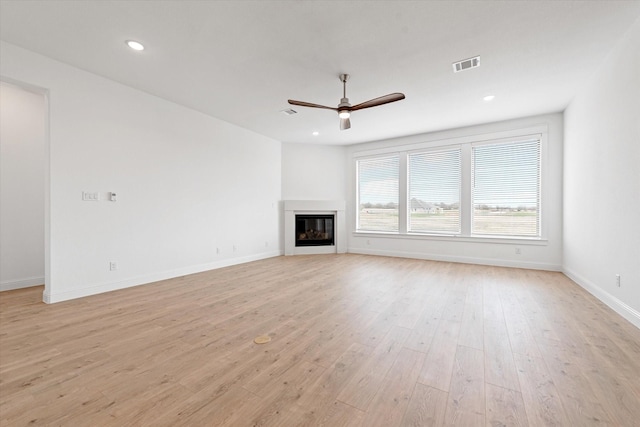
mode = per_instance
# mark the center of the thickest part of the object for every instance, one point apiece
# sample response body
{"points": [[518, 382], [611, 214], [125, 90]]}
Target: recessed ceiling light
{"points": [[489, 98], [135, 45], [315, 133]]}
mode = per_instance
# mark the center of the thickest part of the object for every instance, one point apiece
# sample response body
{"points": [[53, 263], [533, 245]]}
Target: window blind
{"points": [[378, 194], [434, 192], [506, 189]]}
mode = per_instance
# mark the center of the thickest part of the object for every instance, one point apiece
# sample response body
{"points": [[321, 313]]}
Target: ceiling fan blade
{"points": [[308, 104], [392, 97], [345, 124]]}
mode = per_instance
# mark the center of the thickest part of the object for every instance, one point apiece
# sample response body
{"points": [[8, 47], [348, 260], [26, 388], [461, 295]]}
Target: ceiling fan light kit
{"points": [[344, 108]]}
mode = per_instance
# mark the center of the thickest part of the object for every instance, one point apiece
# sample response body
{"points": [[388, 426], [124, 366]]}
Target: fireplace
{"points": [[314, 230], [314, 227]]}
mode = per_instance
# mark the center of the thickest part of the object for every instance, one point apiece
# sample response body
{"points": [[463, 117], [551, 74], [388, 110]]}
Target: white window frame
{"points": [[441, 149], [465, 143], [509, 141], [400, 189]]}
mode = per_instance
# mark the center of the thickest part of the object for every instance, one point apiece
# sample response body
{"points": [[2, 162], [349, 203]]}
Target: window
{"points": [[506, 189], [378, 194], [434, 192], [474, 187]]}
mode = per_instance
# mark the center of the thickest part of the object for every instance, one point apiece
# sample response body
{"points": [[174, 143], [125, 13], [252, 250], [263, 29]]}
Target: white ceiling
{"points": [[241, 60]]}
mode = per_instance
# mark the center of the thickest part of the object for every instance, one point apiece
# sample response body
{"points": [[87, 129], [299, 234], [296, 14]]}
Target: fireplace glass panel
{"points": [[314, 230]]}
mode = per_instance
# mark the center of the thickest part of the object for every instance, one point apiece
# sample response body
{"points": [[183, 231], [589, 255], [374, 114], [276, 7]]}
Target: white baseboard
{"points": [[614, 303], [153, 277], [460, 259], [22, 283]]}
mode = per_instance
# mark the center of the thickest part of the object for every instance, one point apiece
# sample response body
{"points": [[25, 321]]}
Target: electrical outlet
{"points": [[518, 251], [266, 244], [113, 266], [618, 280], [234, 248], [217, 251]]}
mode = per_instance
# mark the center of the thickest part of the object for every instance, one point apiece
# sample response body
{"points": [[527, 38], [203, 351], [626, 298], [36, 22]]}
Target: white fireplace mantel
{"points": [[335, 207]]}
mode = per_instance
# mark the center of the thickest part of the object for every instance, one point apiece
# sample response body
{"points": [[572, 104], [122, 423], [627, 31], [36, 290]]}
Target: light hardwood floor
{"points": [[356, 341]]}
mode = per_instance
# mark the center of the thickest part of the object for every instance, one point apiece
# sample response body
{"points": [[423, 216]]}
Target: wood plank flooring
{"points": [[356, 341]]}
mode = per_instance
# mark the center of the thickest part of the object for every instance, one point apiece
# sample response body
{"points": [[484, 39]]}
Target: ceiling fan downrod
{"points": [[343, 79]]}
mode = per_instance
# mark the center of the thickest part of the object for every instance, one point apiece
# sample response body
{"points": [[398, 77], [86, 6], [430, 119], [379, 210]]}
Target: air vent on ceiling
{"points": [[466, 64], [288, 111]]}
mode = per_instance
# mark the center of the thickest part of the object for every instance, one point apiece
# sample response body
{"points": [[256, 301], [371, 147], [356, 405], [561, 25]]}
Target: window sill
{"points": [[455, 238]]}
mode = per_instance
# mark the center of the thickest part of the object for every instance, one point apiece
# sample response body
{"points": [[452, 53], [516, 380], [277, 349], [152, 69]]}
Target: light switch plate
{"points": [[90, 197]]}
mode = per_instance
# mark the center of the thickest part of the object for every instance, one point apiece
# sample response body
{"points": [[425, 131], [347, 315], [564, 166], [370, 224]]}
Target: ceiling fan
{"points": [[344, 109]]}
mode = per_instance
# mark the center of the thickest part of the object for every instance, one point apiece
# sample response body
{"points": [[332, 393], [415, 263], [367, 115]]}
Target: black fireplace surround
{"points": [[314, 230]]}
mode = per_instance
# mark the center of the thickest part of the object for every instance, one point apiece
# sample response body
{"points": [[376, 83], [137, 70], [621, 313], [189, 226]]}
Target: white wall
{"points": [[545, 254], [602, 181], [22, 171], [187, 184], [313, 172]]}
